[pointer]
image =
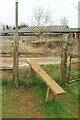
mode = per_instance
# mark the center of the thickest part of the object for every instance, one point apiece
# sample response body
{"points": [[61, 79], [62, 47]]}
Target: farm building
{"points": [[56, 32]]}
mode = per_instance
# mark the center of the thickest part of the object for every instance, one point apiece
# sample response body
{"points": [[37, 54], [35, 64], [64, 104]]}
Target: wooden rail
{"points": [[5, 69], [72, 79]]}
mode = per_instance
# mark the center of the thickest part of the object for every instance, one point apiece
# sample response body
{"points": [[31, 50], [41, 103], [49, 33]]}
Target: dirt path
{"points": [[33, 109], [8, 62], [23, 104], [28, 103]]}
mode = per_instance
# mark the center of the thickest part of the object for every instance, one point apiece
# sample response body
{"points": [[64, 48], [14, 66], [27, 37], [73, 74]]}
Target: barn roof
{"points": [[54, 29]]}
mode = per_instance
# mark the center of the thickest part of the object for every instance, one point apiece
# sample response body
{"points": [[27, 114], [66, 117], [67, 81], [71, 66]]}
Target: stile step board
{"points": [[55, 88]]}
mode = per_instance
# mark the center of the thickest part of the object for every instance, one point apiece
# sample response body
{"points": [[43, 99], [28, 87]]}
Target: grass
{"points": [[29, 100]]}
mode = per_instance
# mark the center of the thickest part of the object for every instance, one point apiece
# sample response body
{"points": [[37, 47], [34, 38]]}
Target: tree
{"points": [[38, 16], [7, 27], [22, 24], [64, 22], [2, 26], [10, 27], [41, 18], [14, 27]]}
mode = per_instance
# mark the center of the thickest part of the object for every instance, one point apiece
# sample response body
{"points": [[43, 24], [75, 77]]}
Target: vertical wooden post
{"points": [[16, 55], [64, 61], [69, 70]]}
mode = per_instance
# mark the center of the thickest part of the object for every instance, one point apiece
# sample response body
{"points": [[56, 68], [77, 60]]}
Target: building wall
{"points": [[29, 38], [21, 38]]}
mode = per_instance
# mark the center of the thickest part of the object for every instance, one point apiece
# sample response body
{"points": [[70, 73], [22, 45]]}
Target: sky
{"points": [[58, 9]]}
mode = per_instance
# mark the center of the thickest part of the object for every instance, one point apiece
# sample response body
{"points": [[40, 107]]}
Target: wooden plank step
{"points": [[55, 88]]}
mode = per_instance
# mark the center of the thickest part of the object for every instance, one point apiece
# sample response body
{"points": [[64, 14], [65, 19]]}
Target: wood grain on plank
{"points": [[55, 88]]}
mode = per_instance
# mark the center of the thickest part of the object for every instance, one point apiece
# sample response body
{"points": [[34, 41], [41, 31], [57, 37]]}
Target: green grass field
{"points": [[28, 101]]}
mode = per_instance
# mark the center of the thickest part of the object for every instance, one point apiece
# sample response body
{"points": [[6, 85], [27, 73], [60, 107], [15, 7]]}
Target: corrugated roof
{"points": [[54, 29]]}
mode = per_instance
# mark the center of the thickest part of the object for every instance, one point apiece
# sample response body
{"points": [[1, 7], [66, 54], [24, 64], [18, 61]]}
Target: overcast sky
{"points": [[58, 9]]}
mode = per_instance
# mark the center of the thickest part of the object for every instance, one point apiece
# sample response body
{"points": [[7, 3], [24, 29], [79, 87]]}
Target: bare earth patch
{"points": [[22, 102]]}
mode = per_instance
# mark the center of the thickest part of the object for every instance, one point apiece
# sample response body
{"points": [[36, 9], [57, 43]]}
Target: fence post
{"points": [[64, 60], [16, 55]]}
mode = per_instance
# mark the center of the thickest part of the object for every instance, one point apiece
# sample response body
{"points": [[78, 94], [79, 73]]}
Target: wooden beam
{"points": [[16, 55]]}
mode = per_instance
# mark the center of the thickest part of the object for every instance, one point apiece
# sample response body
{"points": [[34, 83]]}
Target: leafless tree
{"points": [[64, 21], [38, 16], [41, 18], [22, 24], [2, 26]]}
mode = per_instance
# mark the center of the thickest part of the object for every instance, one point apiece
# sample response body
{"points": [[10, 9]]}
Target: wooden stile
{"points": [[52, 85]]}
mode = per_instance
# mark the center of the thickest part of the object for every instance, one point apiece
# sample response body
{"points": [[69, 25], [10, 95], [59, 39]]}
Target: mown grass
{"points": [[65, 106]]}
